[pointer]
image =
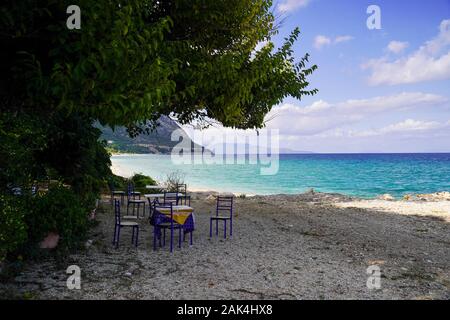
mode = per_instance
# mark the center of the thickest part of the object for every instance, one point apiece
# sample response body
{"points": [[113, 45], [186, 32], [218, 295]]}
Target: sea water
{"points": [[363, 175]]}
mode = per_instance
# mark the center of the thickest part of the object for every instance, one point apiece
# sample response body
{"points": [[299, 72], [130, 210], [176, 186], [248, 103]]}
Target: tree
{"points": [[133, 61]]}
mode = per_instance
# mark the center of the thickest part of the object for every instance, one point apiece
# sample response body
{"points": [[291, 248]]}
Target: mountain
{"points": [[160, 142], [157, 142]]}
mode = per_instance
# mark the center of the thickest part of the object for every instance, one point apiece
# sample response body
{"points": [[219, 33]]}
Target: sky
{"points": [[380, 90]]}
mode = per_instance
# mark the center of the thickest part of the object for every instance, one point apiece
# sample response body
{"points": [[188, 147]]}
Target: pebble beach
{"points": [[306, 246]]}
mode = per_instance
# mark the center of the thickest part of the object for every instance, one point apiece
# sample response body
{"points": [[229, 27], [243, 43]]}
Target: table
{"points": [[180, 213], [156, 187], [160, 195], [183, 215]]}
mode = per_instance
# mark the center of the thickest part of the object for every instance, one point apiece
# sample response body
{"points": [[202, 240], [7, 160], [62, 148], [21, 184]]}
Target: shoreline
{"points": [[438, 195], [127, 172]]}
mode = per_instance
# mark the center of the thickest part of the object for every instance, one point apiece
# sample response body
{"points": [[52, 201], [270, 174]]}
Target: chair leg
{"points": [[231, 227], [171, 240], [114, 236], [118, 237], [210, 227], [224, 229], [137, 236], [217, 228], [154, 238], [191, 237], [164, 237]]}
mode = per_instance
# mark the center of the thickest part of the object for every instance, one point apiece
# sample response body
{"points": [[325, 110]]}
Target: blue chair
{"points": [[119, 224], [224, 204], [115, 193], [171, 197], [181, 188], [134, 193], [184, 200], [131, 199], [162, 222]]}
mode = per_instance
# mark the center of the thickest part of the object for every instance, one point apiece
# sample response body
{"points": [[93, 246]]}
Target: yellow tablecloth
{"points": [[180, 213]]}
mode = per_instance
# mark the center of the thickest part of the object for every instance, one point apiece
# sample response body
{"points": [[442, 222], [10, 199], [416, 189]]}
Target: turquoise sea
{"points": [[363, 175]]}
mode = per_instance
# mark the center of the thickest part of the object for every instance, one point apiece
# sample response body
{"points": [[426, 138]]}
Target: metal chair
{"points": [[181, 188], [134, 193], [119, 224], [131, 199], [224, 204], [159, 223], [171, 197], [184, 200], [115, 193]]}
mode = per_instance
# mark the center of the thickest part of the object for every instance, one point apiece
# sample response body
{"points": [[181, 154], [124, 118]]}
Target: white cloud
{"points": [[322, 116], [321, 41], [397, 46], [411, 125], [340, 39], [407, 126], [393, 123], [291, 5], [430, 62], [260, 45]]}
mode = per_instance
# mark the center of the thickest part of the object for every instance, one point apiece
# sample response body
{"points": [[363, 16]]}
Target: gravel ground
{"points": [[308, 246]]}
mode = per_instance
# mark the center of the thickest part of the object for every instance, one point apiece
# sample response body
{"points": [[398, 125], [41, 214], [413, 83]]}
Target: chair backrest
{"points": [[130, 189], [152, 203], [224, 204], [117, 211], [184, 200], [171, 197]]}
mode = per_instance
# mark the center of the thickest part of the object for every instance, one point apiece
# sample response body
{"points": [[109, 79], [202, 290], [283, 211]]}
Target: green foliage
{"points": [[13, 230], [135, 61], [59, 210], [117, 182], [26, 220], [35, 147], [139, 180], [131, 62], [73, 150], [21, 137]]}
